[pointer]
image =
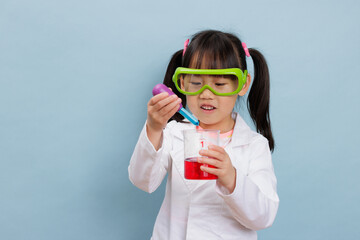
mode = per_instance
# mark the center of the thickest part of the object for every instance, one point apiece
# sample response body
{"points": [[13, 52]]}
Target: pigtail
{"points": [[175, 62], [259, 97]]}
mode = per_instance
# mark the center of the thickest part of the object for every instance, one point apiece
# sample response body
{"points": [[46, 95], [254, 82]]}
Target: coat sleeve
{"points": [[148, 167], [254, 201]]}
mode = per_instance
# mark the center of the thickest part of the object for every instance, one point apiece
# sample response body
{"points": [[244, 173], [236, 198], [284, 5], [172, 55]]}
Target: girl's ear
{"points": [[246, 86], [182, 83]]}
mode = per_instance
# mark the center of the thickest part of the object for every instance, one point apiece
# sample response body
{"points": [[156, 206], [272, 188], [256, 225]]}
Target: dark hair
{"points": [[224, 50]]}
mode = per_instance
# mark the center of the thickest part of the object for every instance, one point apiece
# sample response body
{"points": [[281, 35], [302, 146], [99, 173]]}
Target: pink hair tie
{"points": [[245, 49], [185, 46]]}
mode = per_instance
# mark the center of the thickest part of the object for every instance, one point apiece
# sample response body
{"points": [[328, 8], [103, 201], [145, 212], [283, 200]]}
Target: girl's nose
{"points": [[206, 94]]}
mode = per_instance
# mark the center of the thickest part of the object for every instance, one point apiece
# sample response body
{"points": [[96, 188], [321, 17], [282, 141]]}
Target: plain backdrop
{"points": [[75, 78]]}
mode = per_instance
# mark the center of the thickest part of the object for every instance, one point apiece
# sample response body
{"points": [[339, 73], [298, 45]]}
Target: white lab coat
{"points": [[203, 209]]}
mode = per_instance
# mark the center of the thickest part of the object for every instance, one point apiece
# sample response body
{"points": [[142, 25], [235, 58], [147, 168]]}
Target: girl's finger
{"points": [[210, 170], [210, 161], [155, 99], [211, 154], [164, 103], [173, 110], [216, 148], [175, 101]]}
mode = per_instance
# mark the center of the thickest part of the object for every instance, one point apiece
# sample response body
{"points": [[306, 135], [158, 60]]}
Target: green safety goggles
{"points": [[221, 82]]}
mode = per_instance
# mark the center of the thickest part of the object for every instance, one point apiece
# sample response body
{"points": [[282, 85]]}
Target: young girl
{"points": [[243, 199]]}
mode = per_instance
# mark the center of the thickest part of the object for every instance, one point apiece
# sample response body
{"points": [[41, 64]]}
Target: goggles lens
{"points": [[223, 82], [192, 83]]}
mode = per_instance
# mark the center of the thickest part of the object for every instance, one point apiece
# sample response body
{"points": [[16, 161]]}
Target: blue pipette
{"points": [[159, 88]]}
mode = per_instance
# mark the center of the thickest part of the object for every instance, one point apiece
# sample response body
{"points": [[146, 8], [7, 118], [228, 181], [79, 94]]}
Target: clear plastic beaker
{"points": [[194, 141]]}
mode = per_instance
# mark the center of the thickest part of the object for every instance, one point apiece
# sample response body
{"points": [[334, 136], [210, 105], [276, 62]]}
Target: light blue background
{"points": [[75, 78]]}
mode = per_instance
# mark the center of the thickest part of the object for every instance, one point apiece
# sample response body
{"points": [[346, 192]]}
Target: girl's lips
{"points": [[207, 107]]}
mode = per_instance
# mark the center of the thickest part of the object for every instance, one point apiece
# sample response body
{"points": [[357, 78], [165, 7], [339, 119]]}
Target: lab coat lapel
{"points": [[242, 134]]}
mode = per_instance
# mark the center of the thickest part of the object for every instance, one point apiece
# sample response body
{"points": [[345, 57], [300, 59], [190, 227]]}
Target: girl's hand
{"points": [[218, 157], [161, 108]]}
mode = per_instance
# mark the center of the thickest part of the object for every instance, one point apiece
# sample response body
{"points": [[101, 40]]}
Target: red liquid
{"points": [[192, 170]]}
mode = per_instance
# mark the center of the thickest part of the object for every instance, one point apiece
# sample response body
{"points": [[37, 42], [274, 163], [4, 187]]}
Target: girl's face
{"points": [[213, 111]]}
